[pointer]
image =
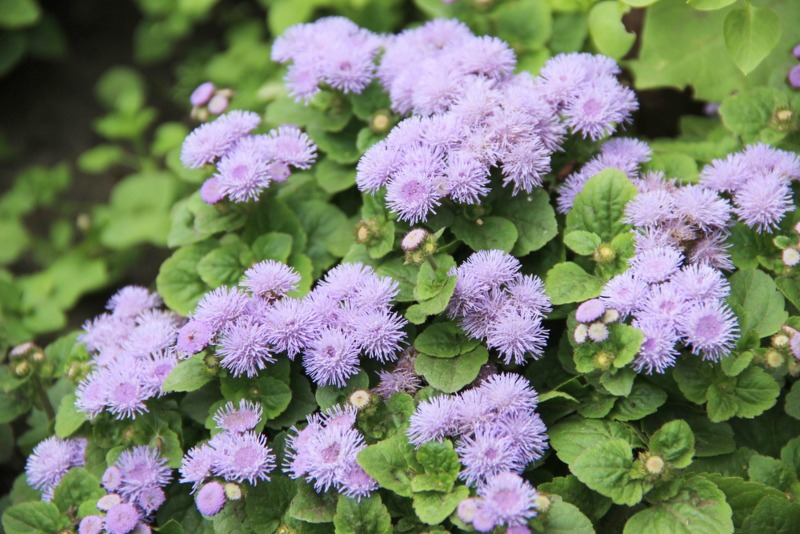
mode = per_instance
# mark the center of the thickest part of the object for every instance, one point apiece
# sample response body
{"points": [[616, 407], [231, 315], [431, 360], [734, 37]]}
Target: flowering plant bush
{"points": [[436, 285]]}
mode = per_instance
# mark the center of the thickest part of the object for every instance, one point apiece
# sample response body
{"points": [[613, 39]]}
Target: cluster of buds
{"points": [[791, 249], [783, 344], [25, 357], [419, 246], [592, 317], [207, 99]]}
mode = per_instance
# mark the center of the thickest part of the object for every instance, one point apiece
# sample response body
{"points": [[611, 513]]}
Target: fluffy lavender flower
{"points": [[710, 328], [625, 293], [515, 334], [524, 164], [596, 110], [625, 153], [589, 311], [125, 392], [329, 453], [480, 273], [50, 460], [270, 279], [485, 454], [570, 189], [291, 326], [402, 379], [487, 56], [355, 483], [433, 420], [91, 524], [91, 394], [379, 334], [331, 358], [122, 518], [413, 195], [376, 166], [243, 172], [656, 265], [151, 499], [665, 302], [526, 293], [506, 499], [212, 140], [762, 201], [701, 282], [193, 337], [651, 208], [241, 457], [245, 347], [658, 352], [375, 293], [702, 207], [238, 420], [712, 250], [211, 191], [141, 468], [210, 499], [130, 301], [112, 478], [508, 393], [155, 369], [467, 178], [221, 306], [527, 432], [154, 331], [725, 175], [766, 159], [196, 465], [104, 332], [289, 145]]}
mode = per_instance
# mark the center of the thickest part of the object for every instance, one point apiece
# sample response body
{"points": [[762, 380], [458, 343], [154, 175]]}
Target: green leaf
{"points": [[773, 514], [330, 234], [188, 375], [19, 13], [222, 266], [698, 508], [333, 177], [607, 31], [312, 507], [792, 401], [568, 282], [573, 436], [523, 24], [101, 158], [444, 340], [491, 233], [451, 374], [76, 487], [757, 302], [430, 282], [285, 13], [441, 465], [266, 503], [12, 407], [392, 463], [178, 282], [674, 442], [33, 518], [405, 275], [607, 468], [272, 246], [68, 418], [600, 205], [742, 496], [433, 507], [756, 391], [750, 35], [368, 516], [582, 242], [709, 5], [749, 112], [643, 400], [564, 517], [534, 219], [573, 491], [771, 472]]}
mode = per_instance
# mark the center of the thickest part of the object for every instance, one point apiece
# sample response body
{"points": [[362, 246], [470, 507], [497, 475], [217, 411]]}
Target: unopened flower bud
{"points": [[791, 257], [211, 362], [108, 501], [380, 122], [22, 369], [610, 316], [467, 510], [773, 358], [360, 399], [598, 332], [83, 222], [603, 360], [233, 491], [279, 171], [218, 104], [22, 349], [202, 94], [128, 434], [542, 503], [37, 356], [780, 340], [604, 253], [654, 465], [415, 258], [414, 239], [581, 333]]}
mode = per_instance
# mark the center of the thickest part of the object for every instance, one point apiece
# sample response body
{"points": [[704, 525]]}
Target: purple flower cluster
{"points": [[471, 114], [236, 454], [325, 453], [620, 153], [506, 499], [402, 379], [346, 315], [50, 460], [674, 291], [132, 353], [245, 163], [496, 424], [758, 180], [496, 303], [134, 486], [332, 51]]}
